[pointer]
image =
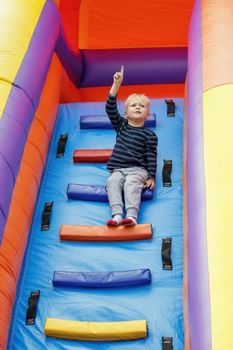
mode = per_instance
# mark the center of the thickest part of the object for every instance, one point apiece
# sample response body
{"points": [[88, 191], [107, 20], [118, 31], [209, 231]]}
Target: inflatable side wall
{"points": [[32, 81], [209, 129], [30, 90], [198, 282]]}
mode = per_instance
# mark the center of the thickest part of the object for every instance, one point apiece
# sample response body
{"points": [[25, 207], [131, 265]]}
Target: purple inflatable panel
{"points": [[19, 108], [71, 61], [6, 185], [2, 225], [34, 68], [198, 287], [12, 143], [142, 66]]}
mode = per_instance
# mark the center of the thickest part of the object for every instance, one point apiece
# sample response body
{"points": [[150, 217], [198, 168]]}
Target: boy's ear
{"points": [[125, 115]]}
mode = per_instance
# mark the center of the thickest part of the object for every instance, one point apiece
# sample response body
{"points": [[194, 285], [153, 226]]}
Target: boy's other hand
{"points": [[118, 76], [150, 183]]}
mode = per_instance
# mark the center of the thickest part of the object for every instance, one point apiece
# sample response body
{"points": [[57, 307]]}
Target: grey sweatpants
{"points": [[127, 182]]}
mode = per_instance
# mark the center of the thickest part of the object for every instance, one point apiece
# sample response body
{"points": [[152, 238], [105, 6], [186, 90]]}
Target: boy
{"points": [[133, 161]]}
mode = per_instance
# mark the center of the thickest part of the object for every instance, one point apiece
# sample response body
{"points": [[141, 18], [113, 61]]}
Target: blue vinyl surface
{"points": [[161, 302]]}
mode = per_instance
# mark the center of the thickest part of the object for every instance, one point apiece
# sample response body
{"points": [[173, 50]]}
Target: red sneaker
{"points": [[112, 223], [128, 222]]}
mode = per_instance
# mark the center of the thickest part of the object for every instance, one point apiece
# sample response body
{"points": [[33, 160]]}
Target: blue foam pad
{"points": [[102, 279], [103, 122], [97, 193]]}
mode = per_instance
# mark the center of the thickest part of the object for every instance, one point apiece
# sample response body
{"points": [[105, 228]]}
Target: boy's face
{"points": [[137, 110]]}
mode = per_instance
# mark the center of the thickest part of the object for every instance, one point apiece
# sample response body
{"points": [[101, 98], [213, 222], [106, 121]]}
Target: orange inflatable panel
{"points": [[105, 233], [92, 155]]}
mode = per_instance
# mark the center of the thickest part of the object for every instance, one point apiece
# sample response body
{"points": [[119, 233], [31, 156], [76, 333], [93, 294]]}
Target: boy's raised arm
{"points": [[117, 81], [111, 103]]}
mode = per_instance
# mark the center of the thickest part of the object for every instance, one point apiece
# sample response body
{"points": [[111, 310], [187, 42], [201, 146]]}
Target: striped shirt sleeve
{"points": [[113, 113], [151, 152]]}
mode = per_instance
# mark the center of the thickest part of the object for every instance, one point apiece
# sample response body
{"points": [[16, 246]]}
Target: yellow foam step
{"points": [[96, 331]]}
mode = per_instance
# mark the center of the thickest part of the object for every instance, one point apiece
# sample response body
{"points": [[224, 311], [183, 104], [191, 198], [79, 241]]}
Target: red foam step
{"points": [[92, 155], [105, 233]]}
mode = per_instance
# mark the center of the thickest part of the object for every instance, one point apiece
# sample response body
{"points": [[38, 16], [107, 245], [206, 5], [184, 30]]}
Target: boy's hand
{"points": [[117, 80], [150, 183], [118, 76]]}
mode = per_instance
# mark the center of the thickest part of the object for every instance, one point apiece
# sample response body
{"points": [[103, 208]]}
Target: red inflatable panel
{"points": [[105, 233], [92, 155]]}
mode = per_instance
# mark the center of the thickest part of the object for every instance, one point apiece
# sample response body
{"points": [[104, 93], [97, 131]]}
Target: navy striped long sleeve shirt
{"points": [[135, 146]]}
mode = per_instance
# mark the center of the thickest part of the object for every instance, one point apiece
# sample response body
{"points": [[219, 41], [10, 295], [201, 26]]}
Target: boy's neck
{"points": [[136, 124]]}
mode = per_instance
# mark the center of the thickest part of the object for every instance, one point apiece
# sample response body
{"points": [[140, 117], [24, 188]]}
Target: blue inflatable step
{"points": [[97, 193], [103, 122], [102, 279]]}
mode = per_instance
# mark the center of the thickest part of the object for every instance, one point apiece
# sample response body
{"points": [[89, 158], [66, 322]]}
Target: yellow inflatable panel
{"points": [[18, 20], [96, 331], [218, 147]]}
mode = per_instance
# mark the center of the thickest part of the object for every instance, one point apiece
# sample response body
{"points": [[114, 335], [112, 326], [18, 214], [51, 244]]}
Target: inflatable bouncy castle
{"points": [[67, 281]]}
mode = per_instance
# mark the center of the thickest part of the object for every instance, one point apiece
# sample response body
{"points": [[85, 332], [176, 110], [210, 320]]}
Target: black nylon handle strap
{"points": [[32, 307], [171, 108], [61, 146], [166, 253], [167, 343], [46, 215], [167, 169]]}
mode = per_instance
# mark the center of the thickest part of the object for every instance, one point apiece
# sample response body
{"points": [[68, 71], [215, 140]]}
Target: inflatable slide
{"points": [[68, 281]]}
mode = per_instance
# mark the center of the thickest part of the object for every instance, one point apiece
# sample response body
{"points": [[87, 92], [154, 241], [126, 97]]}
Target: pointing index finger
{"points": [[122, 69]]}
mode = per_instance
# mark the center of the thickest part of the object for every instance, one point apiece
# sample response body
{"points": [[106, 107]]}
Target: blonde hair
{"points": [[136, 96]]}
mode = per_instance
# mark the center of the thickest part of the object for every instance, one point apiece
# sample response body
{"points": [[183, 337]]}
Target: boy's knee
{"points": [[134, 181]]}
